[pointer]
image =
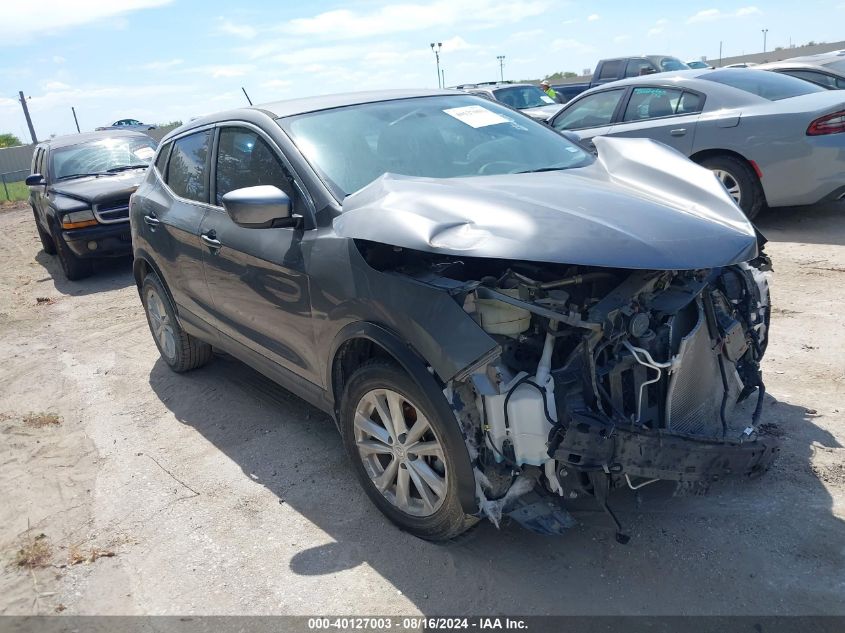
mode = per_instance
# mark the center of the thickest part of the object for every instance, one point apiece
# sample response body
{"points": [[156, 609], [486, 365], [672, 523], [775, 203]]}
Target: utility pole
{"points": [[764, 32], [443, 76], [436, 52], [28, 119], [246, 95], [720, 54], [75, 120], [501, 59]]}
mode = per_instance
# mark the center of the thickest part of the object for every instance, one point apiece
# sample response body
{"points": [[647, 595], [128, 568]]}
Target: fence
{"points": [[12, 185]]}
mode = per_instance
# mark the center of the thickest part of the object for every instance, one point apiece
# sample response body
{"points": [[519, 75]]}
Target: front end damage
{"points": [[603, 377]]}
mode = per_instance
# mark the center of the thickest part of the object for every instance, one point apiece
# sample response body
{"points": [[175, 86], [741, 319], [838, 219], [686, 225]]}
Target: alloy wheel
{"points": [[160, 324], [400, 452], [730, 183]]}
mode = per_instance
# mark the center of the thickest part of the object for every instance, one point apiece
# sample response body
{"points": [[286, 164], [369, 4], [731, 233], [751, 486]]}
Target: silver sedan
{"points": [[771, 139]]}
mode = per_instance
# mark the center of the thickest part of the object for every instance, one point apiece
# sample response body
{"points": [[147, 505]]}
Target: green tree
{"points": [[169, 124], [9, 140], [561, 75]]}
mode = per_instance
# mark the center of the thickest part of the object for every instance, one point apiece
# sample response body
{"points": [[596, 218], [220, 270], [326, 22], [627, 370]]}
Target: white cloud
{"points": [[397, 18], [710, 15], [219, 71], [456, 44], [593, 17], [662, 21], [58, 59], [565, 44], [51, 86], [621, 38], [657, 30], [238, 30], [276, 84], [58, 15], [162, 65], [533, 34]]}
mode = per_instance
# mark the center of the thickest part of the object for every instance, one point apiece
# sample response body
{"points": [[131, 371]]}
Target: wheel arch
{"points": [[704, 154], [361, 341], [143, 265]]}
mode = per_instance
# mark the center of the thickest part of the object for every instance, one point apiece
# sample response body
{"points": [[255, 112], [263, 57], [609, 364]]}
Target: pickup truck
{"points": [[608, 70]]}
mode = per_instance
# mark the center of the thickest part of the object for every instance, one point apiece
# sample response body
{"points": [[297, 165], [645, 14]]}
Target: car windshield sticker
{"points": [[547, 99], [476, 116], [144, 153]]}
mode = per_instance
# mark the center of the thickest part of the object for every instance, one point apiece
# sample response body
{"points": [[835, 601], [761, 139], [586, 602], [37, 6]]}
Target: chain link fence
{"points": [[13, 187]]}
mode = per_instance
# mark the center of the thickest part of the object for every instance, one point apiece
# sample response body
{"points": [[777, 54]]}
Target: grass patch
{"points": [[35, 552], [18, 191], [40, 420]]}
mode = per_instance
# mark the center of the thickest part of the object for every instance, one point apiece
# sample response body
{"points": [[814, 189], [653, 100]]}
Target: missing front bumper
{"points": [[591, 443]]}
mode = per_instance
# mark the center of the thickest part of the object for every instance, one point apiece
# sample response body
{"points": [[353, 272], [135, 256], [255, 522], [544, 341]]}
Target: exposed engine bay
{"points": [[602, 377]]}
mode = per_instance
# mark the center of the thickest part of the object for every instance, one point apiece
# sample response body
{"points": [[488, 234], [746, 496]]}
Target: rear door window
{"points": [[768, 85], [187, 170], [611, 69], [653, 102], [591, 111]]}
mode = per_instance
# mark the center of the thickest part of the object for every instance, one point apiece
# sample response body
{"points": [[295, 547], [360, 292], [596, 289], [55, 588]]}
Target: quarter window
{"points": [[822, 79], [187, 171], [161, 159], [244, 159], [591, 111]]}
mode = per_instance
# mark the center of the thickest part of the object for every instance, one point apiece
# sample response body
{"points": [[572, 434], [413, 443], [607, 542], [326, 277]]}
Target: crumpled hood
{"points": [[639, 205], [96, 189]]}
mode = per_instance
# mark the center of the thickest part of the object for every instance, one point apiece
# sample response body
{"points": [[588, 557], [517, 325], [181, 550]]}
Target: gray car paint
{"points": [[797, 169], [640, 205]]}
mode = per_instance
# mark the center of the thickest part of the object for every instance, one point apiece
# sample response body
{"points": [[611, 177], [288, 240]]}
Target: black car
{"points": [[496, 320], [79, 192]]}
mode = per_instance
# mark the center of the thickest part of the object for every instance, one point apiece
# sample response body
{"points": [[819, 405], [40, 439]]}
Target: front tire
{"points": [[401, 453], [741, 182], [181, 351], [73, 267], [47, 242]]}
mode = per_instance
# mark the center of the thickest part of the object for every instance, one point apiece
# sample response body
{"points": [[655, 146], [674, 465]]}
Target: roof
{"points": [[293, 107], [86, 137]]}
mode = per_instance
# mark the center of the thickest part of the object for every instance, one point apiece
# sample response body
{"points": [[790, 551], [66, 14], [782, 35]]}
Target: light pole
{"points": [[501, 59], [764, 32], [437, 57]]}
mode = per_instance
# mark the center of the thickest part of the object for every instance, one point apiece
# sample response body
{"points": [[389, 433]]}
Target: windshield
{"points": [[521, 97], [672, 63], [102, 156], [435, 137], [771, 86]]}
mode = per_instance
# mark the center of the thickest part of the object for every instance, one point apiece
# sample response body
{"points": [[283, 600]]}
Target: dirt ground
{"points": [[216, 492]]}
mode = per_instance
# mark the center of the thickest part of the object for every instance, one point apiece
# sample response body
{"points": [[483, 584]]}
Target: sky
{"points": [[164, 60]]}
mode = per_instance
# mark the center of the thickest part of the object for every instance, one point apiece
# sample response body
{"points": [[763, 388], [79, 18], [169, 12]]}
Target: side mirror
{"points": [[34, 180], [259, 207]]}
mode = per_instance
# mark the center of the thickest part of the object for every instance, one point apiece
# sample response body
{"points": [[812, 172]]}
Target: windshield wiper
{"points": [[541, 169], [94, 173], [125, 167]]}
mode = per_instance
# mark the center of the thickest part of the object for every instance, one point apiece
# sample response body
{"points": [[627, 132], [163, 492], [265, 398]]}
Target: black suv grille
{"points": [[114, 211]]}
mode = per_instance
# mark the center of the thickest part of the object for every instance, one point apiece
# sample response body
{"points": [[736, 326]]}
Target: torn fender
{"points": [[640, 205]]}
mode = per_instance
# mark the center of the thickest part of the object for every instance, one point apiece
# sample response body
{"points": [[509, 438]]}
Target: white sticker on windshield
{"points": [[547, 99], [144, 153], [476, 116]]}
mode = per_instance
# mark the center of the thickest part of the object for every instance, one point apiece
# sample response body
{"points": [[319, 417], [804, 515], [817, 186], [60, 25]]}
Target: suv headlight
{"points": [[78, 219]]}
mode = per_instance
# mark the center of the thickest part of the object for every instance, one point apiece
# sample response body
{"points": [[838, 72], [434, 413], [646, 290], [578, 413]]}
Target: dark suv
{"points": [[79, 192], [497, 320]]}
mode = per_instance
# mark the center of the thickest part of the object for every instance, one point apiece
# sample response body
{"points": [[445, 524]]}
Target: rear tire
{"points": [[73, 267], [181, 351], [47, 242], [740, 180], [408, 457]]}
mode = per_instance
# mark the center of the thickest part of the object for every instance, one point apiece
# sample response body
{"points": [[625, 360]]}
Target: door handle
{"points": [[152, 220], [209, 239], [678, 132]]}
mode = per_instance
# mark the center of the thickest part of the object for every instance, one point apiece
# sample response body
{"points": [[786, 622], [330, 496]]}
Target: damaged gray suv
{"points": [[497, 320]]}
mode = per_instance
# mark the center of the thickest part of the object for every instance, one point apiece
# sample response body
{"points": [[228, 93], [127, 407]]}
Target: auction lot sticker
{"points": [[476, 116]]}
